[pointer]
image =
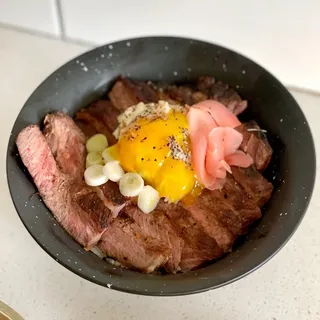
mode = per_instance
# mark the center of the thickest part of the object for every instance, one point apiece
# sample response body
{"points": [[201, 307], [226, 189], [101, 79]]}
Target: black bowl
{"points": [[86, 78]]}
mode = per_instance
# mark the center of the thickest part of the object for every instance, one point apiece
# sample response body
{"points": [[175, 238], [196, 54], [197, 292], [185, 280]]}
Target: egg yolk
{"points": [[146, 149]]}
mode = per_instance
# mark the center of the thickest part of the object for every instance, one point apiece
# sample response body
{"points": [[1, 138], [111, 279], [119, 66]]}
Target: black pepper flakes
{"points": [[144, 139]]}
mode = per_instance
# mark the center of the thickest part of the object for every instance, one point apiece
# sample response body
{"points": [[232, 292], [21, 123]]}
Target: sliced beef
{"points": [[121, 96], [100, 117], [207, 88], [112, 197], [231, 207], [256, 144], [185, 94], [199, 246], [127, 92], [158, 226], [217, 203], [207, 218], [178, 237], [254, 184], [222, 92], [88, 129], [67, 143], [246, 207], [161, 93], [102, 110], [124, 242], [142, 90], [67, 198], [88, 199]]}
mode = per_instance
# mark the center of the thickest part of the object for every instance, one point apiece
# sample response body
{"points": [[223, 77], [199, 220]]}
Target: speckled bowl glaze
{"points": [[88, 77]]}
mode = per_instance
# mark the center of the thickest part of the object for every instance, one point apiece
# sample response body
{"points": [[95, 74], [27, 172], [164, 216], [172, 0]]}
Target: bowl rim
{"points": [[178, 292]]}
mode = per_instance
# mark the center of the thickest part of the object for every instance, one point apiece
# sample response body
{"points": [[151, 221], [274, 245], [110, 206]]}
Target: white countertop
{"points": [[36, 286]]}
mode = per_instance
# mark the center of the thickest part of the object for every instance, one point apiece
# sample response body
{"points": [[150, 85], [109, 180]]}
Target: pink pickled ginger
{"points": [[215, 143]]}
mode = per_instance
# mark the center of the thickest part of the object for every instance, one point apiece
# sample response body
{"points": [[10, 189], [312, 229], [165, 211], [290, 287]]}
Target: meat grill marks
{"points": [[247, 209], [224, 214], [192, 234], [211, 224], [150, 241], [256, 144], [158, 227], [127, 92], [198, 246], [124, 241], [254, 184], [59, 192], [100, 117], [88, 200], [216, 204], [231, 206]]}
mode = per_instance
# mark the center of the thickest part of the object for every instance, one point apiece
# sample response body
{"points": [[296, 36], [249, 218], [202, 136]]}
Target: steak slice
{"points": [[221, 92], [112, 197], [79, 210], [88, 199], [158, 226], [211, 224], [67, 143], [161, 93], [185, 94], [254, 184], [87, 128], [231, 207], [124, 242], [100, 117], [246, 207], [217, 203], [256, 144], [199, 246], [126, 93], [207, 88]]}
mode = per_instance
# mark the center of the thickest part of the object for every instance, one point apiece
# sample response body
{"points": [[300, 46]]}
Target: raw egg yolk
{"points": [[145, 149]]}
